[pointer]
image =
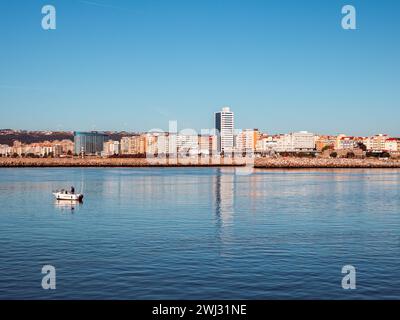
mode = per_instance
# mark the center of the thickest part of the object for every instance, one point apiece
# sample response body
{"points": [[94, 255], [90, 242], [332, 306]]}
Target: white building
{"points": [[345, 143], [171, 144], [151, 144], [296, 142], [392, 145], [187, 143], [267, 144], [224, 124], [111, 148], [163, 145], [376, 143]]}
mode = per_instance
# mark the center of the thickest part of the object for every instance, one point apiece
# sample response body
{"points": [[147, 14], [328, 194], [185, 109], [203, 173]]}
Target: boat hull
{"points": [[69, 196]]}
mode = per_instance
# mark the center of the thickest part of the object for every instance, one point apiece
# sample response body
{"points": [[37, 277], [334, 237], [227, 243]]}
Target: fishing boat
{"points": [[67, 195]]}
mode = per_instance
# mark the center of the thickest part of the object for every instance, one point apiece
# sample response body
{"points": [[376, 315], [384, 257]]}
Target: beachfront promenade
{"points": [[282, 162]]}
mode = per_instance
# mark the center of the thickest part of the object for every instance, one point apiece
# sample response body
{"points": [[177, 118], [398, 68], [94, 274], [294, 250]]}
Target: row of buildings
{"points": [[224, 140], [159, 143], [227, 140], [305, 141], [43, 149], [376, 143]]}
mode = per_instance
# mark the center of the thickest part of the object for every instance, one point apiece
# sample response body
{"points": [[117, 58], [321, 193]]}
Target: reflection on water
{"points": [[224, 196], [200, 233], [67, 205]]}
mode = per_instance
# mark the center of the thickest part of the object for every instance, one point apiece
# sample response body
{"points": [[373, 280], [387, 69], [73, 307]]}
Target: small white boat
{"points": [[66, 195]]}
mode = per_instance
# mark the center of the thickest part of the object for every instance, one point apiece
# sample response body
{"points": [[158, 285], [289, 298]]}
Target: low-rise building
{"points": [[267, 144], [324, 142], [347, 143], [302, 141]]}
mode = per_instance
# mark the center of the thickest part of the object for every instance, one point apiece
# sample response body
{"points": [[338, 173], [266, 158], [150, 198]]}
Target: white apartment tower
{"points": [[224, 124]]}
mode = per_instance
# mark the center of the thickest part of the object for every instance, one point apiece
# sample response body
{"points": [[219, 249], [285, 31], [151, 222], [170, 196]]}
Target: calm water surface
{"points": [[200, 233]]}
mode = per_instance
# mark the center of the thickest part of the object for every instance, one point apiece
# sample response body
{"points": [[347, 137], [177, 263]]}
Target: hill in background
{"points": [[8, 136]]}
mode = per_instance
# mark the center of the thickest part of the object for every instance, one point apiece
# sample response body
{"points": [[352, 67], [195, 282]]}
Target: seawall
{"points": [[266, 163]]}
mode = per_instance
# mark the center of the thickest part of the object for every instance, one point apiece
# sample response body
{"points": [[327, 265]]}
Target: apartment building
{"points": [[376, 143], [392, 145], [225, 126], [133, 145], [208, 144], [246, 140], [345, 143], [111, 148]]}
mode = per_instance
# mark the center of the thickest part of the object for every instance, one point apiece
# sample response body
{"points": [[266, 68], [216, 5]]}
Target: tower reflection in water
{"points": [[224, 202]]}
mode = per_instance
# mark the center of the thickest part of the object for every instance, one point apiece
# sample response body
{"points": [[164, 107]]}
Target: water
{"points": [[200, 233]]}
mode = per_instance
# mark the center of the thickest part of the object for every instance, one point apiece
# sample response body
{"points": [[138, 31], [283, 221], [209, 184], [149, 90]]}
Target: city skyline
{"points": [[224, 138], [282, 67], [199, 132], [223, 126]]}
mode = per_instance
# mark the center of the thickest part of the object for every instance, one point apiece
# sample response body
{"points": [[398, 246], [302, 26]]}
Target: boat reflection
{"points": [[68, 205]]}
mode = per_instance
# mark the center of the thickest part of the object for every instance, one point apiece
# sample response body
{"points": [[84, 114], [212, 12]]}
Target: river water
{"points": [[200, 233]]}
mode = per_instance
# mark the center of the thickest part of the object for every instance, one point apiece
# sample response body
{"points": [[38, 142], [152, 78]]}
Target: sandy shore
{"points": [[295, 163]]}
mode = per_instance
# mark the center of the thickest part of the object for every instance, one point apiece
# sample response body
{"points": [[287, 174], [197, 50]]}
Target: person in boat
{"points": [[72, 190]]}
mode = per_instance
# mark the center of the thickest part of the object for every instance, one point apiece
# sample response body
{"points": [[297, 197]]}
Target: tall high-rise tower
{"points": [[224, 124]]}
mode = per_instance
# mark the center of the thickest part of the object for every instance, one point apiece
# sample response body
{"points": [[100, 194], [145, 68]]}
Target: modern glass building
{"points": [[89, 143]]}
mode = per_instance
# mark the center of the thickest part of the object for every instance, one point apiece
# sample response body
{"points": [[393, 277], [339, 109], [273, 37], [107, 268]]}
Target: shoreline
{"points": [[113, 163], [258, 163], [323, 163]]}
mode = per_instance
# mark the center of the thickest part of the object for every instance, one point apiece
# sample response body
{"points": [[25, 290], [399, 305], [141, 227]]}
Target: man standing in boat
{"points": [[72, 190]]}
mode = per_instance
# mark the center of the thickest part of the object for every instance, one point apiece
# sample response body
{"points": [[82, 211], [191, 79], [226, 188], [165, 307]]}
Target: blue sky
{"points": [[133, 65]]}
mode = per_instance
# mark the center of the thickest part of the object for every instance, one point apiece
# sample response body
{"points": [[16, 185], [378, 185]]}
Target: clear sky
{"points": [[133, 65]]}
